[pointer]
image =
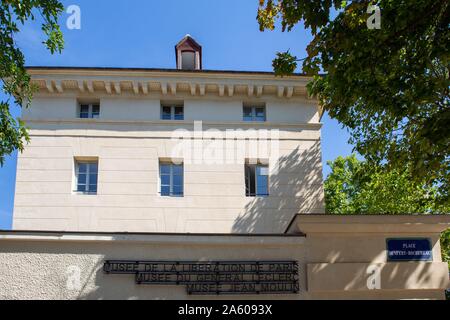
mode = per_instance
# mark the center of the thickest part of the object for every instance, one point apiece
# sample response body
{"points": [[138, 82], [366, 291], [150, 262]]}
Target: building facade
{"points": [[131, 127], [189, 184]]}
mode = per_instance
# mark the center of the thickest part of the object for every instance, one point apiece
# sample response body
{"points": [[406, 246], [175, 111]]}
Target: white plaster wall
{"points": [[213, 110], [51, 107], [40, 269], [292, 111], [40, 266], [127, 200], [147, 109], [129, 109]]}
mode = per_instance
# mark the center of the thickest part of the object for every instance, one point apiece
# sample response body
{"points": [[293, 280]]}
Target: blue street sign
{"points": [[418, 249]]}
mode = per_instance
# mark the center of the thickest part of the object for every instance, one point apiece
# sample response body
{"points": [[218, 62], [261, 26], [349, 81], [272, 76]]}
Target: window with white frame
{"points": [[256, 180], [172, 112], [171, 179], [86, 173], [89, 111], [254, 113]]}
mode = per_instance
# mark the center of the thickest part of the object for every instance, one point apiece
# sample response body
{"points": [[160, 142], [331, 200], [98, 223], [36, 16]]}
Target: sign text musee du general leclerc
{"points": [[214, 277]]}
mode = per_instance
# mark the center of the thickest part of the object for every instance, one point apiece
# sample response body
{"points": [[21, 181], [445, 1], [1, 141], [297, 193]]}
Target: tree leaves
{"points": [[284, 64], [12, 132], [15, 80], [389, 87], [357, 187]]}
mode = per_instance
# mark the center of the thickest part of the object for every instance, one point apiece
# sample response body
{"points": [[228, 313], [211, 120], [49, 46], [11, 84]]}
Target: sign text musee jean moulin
{"points": [[409, 249], [214, 277]]}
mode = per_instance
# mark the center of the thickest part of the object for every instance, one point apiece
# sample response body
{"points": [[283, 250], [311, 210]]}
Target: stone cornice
{"points": [[167, 82], [154, 238], [353, 224], [243, 124]]}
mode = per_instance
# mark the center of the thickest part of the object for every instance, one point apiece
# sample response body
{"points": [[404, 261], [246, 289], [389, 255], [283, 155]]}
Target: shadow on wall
{"points": [[297, 187], [413, 281], [43, 267], [350, 285]]}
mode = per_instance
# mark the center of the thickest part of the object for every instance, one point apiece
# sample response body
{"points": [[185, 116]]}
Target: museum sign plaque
{"points": [[214, 277]]}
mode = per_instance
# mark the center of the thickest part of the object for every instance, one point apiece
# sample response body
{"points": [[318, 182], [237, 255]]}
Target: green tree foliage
{"points": [[14, 78], [445, 244], [388, 86], [357, 187]]}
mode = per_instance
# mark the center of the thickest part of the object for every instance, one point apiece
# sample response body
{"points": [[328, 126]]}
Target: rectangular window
{"points": [[171, 179], [256, 180], [169, 112], [89, 111], [86, 173], [257, 114]]}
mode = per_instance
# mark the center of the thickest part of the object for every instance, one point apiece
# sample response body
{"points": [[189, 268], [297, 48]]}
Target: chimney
{"points": [[188, 54]]}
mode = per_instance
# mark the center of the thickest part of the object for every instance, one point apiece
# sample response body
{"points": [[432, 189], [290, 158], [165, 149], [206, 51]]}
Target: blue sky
{"points": [[142, 33]]}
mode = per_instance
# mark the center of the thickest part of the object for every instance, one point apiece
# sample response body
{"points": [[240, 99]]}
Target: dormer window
{"points": [[188, 54]]}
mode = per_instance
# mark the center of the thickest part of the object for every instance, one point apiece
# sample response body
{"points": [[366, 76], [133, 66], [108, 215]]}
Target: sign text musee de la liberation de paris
{"points": [[215, 277]]}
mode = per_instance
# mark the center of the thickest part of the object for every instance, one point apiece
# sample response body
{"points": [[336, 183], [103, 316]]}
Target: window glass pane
{"points": [[93, 179], [178, 190], [177, 169], [248, 114], [166, 113], [165, 180], [262, 185], [82, 168], [262, 171], [165, 169], [250, 180], [262, 180], [165, 190], [84, 111], [260, 114], [187, 60], [93, 168], [81, 188], [262, 191], [92, 188], [95, 111], [179, 113], [82, 178], [248, 111]]}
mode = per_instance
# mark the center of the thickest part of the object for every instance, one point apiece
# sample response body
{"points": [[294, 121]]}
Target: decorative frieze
{"points": [[168, 83]]}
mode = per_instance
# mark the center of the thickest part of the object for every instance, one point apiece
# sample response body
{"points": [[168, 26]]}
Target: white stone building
{"points": [[156, 177], [121, 125]]}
